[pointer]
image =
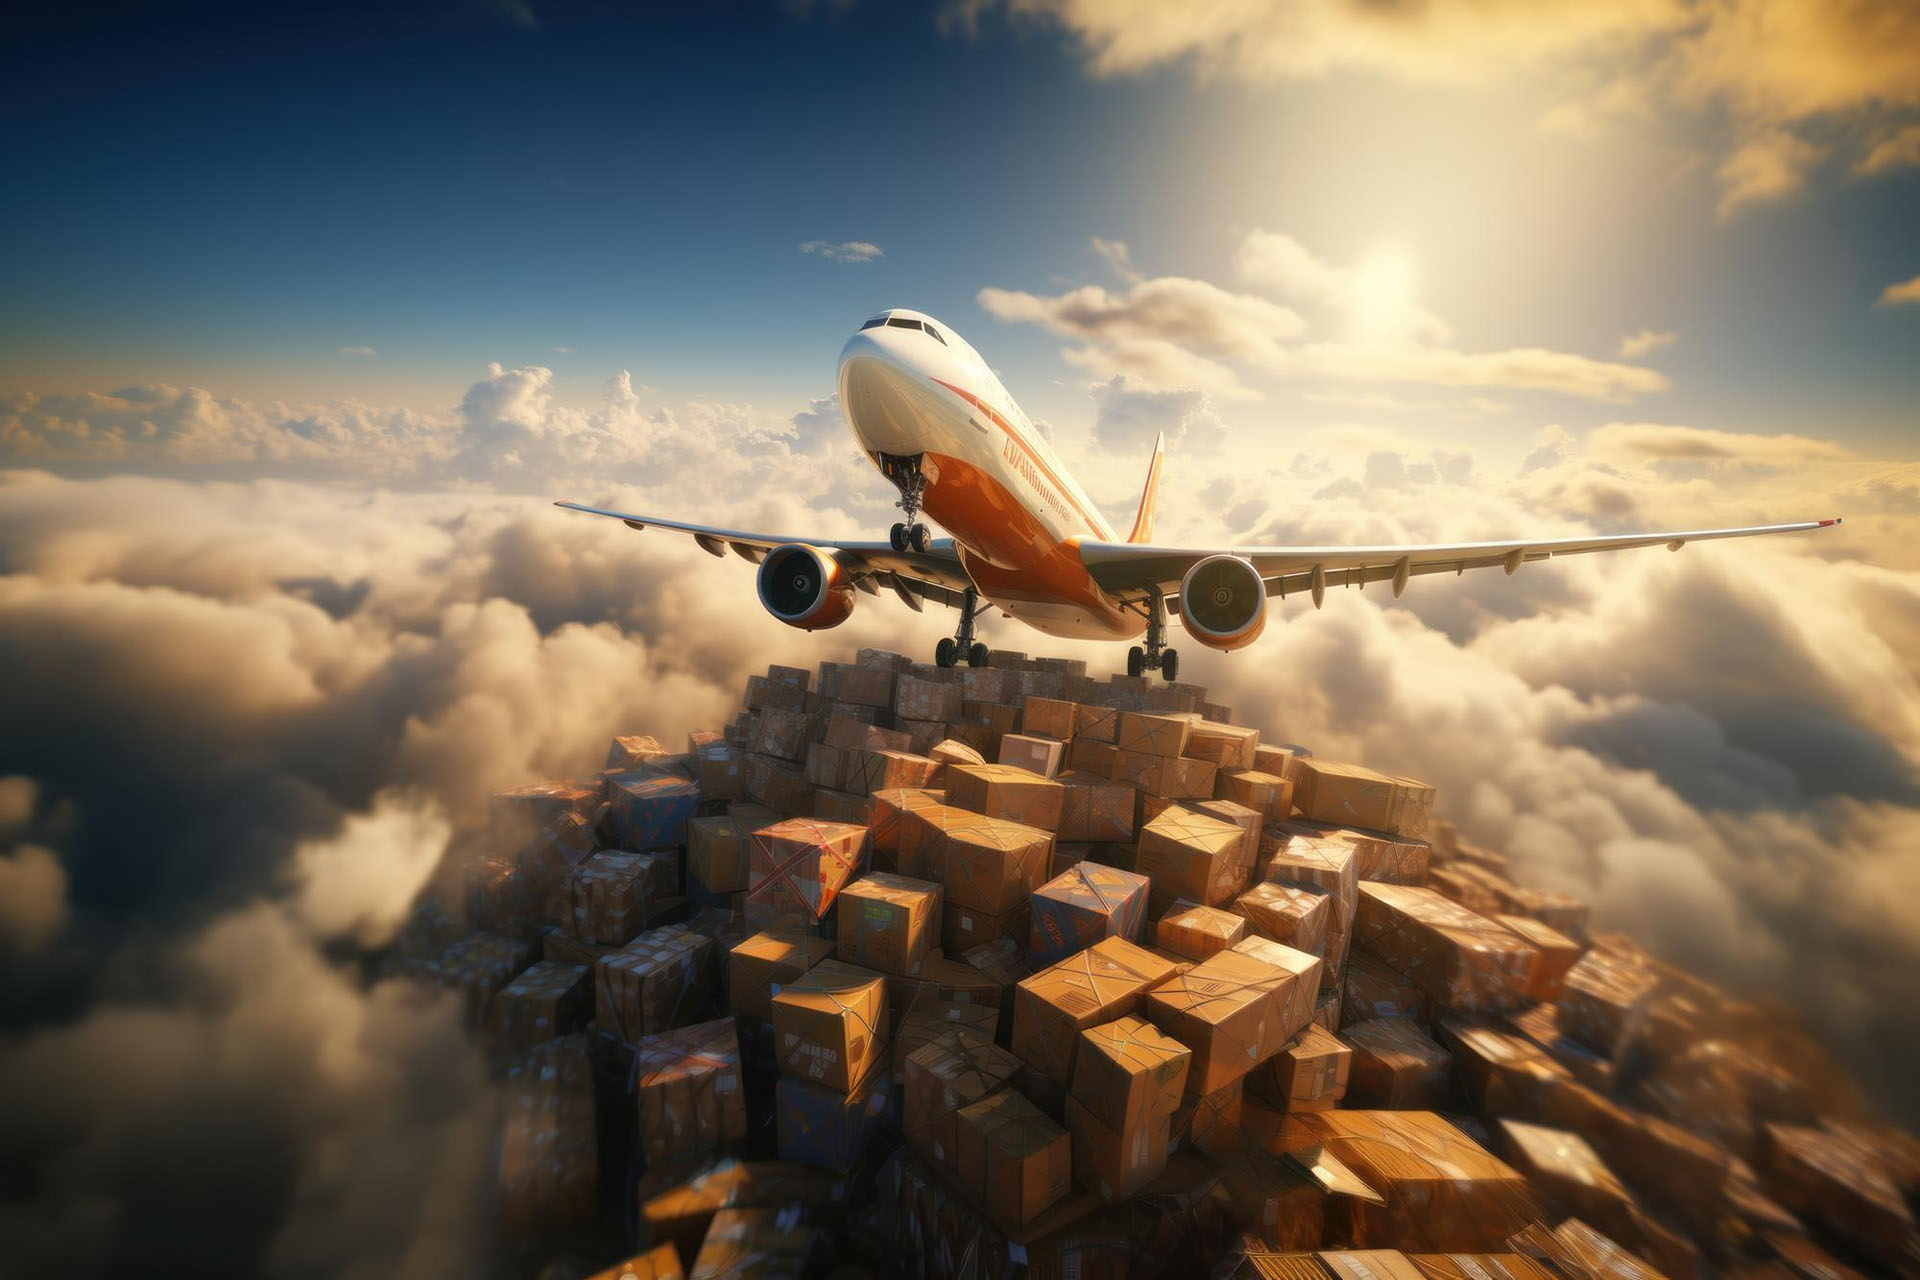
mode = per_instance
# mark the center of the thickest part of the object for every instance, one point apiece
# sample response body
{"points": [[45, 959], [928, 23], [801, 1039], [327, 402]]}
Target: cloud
{"points": [[1773, 68], [33, 896], [565, 351], [1116, 255], [1899, 149], [1635, 345], [844, 250], [1660, 442], [1906, 291], [358, 351], [360, 880], [1172, 332], [1127, 418]]}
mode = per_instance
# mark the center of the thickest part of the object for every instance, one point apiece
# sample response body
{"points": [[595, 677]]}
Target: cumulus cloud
{"points": [[844, 250], [1635, 345], [358, 351], [1662, 442], [1906, 291], [1775, 68], [33, 896], [1172, 332], [1127, 418], [1899, 149]]}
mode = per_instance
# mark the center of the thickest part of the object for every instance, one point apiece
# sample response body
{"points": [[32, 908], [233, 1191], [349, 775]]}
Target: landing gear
{"points": [[1154, 657], [909, 535], [962, 644]]}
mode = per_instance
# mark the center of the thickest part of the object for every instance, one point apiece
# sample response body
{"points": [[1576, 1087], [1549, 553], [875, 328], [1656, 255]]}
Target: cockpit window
{"points": [[874, 323], [899, 323], [935, 335]]}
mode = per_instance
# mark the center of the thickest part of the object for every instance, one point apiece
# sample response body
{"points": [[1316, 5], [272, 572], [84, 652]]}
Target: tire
{"points": [[945, 653], [1136, 661], [918, 538], [977, 655], [898, 537], [1169, 666]]}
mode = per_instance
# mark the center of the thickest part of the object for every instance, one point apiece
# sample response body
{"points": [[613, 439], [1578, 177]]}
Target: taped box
{"points": [[659, 981], [1196, 932], [687, 1090], [1042, 756], [1190, 855], [613, 894], [886, 819], [632, 750], [721, 771], [549, 1164], [1153, 735], [1231, 747], [1268, 793], [677, 1202], [856, 685], [951, 1071], [1309, 1074], [830, 1024], [718, 852], [1369, 989], [888, 922], [651, 812], [930, 1019], [547, 1001], [826, 1128], [1233, 814], [874, 769], [799, 865], [1094, 724], [784, 735], [988, 864], [1396, 1066], [1081, 906], [1015, 1160], [916, 699], [1354, 795], [779, 785], [848, 732], [841, 806], [1129, 1073], [1211, 1122], [1049, 718], [1459, 960], [963, 928], [1298, 915], [1116, 1164], [517, 815], [1281, 1203], [1003, 791], [1227, 1010], [1168, 777], [761, 965], [1100, 984], [1094, 808], [480, 965], [1555, 955], [1602, 994]]}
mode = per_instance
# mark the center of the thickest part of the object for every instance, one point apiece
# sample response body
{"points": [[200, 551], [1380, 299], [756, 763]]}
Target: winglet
{"points": [[1143, 522]]}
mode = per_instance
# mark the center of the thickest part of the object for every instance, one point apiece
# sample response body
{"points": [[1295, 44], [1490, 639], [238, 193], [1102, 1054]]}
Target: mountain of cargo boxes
{"points": [[999, 972]]}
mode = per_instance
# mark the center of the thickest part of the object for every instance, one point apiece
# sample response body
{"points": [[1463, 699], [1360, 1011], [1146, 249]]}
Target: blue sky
{"points": [[232, 200]]}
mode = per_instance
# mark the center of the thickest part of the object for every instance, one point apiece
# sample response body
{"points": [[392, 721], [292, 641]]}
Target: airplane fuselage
{"points": [[914, 390]]}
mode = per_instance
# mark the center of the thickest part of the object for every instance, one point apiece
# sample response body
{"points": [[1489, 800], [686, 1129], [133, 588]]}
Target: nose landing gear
{"points": [[1155, 656], [962, 644], [909, 535]]}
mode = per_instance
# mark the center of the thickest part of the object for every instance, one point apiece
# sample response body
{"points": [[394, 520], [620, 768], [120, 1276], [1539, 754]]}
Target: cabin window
{"points": [[935, 335], [899, 323]]}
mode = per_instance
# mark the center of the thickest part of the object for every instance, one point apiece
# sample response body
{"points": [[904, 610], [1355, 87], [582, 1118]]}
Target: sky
{"points": [[306, 314]]}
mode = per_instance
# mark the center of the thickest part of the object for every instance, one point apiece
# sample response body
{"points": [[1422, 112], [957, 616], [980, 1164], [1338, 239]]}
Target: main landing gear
{"points": [[1155, 656], [910, 534], [962, 644]]}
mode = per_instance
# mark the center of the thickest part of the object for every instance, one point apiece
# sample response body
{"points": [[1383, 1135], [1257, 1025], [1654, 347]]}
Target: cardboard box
{"points": [[1153, 735], [661, 980], [841, 806], [1113, 1164], [1085, 904], [517, 815], [629, 751], [783, 735], [762, 1242], [1457, 959], [1280, 760], [1295, 914], [1601, 995], [988, 864], [952, 1071], [922, 736], [1566, 1172], [1003, 791], [1354, 795], [1250, 821], [688, 1091], [1197, 932], [1015, 1160], [849, 733], [1298, 999], [857, 685], [888, 922], [1049, 718], [870, 770], [827, 1128], [1129, 1074], [612, 894], [1310, 1074], [1285, 1207], [1094, 808], [1211, 1122], [1190, 855], [1291, 857], [1440, 1191], [827, 766], [801, 864], [651, 812], [1085, 755], [679, 1201], [549, 1165], [721, 771], [1231, 747], [1271, 795], [830, 1024], [1839, 1182], [947, 751], [963, 928], [1095, 723], [761, 965], [1556, 954], [915, 699], [1370, 989], [1169, 777], [928, 1020], [547, 1001], [1396, 1066], [1042, 756], [887, 818], [1100, 984], [718, 850], [1226, 1009]]}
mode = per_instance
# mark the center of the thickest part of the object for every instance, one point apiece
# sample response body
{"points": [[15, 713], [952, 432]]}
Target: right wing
{"points": [[934, 574]]}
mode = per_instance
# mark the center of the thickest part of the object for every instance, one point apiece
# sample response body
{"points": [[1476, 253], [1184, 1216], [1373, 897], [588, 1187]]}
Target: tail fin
{"points": [[1143, 522]]}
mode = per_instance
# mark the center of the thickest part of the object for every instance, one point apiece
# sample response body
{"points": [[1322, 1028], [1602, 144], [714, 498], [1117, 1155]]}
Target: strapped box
{"points": [[1081, 906], [830, 1024], [1100, 984], [688, 1091], [800, 865]]}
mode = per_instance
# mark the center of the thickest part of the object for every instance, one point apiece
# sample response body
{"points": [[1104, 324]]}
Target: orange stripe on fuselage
{"points": [[1094, 523]]}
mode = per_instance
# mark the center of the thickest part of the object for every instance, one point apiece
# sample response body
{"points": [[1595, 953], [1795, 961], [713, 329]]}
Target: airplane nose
{"points": [[879, 393]]}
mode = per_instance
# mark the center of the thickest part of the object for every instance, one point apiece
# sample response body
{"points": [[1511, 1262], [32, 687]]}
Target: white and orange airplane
{"points": [[1026, 539]]}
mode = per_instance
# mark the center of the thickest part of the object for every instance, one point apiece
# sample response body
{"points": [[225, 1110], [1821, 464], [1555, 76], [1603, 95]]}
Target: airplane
{"points": [[1026, 539]]}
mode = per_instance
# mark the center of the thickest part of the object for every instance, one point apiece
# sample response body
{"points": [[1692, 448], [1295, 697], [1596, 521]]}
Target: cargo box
{"points": [[1231, 747], [718, 850], [830, 1024], [651, 812], [801, 864], [1003, 791], [1153, 735], [1048, 718], [547, 1001], [1396, 1066], [1459, 960], [1114, 1164], [1015, 1160], [1297, 915], [826, 1128], [1270, 795], [1197, 932], [1100, 984], [1227, 1009], [549, 1164], [963, 928], [1354, 795], [1042, 756], [888, 922], [1094, 808], [659, 981], [915, 699], [1168, 777], [762, 1243], [615, 894], [951, 1071], [1083, 905], [1310, 1074], [762, 964], [688, 1091], [1128, 1073], [1192, 856]]}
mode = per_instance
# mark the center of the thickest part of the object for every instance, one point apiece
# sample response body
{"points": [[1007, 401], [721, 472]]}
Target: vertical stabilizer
{"points": [[1143, 522]]}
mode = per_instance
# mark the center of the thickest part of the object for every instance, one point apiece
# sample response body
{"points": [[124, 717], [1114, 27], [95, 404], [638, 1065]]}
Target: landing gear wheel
{"points": [[917, 538], [946, 653], [1136, 661], [898, 537], [1169, 666], [977, 655]]}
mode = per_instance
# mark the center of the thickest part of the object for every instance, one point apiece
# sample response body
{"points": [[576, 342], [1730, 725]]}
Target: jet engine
{"points": [[805, 587], [1223, 602]]}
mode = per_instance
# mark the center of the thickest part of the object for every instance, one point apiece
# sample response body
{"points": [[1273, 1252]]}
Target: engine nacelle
{"points": [[1223, 602], [805, 587]]}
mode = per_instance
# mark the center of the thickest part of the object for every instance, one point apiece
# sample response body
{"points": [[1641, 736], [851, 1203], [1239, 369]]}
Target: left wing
{"points": [[934, 574], [1128, 569]]}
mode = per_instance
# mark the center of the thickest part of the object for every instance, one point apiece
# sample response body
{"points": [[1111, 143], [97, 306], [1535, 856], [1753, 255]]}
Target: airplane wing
{"points": [[1126, 568], [915, 576]]}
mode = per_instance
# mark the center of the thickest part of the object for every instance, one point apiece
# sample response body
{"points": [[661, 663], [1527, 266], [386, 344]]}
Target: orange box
{"points": [[1229, 746], [1396, 1065], [1153, 735], [653, 984], [1250, 821], [1094, 724], [1271, 795], [988, 864], [830, 1024], [1169, 777], [915, 699], [887, 819], [1129, 1074], [1212, 1122], [1003, 791], [688, 1091], [1116, 1165], [1557, 955], [718, 852], [1084, 755], [872, 769], [1049, 718], [1298, 1000], [928, 1020], [888, 922], [1100, 984], [964, 928], [1192, 856], [1458, 959], [1226, 1010], [849, 734], [951, 1071], [1042, 756], [1094, 808], [1197, 932], [1295, 914], [1016, 1160], [799, 865], [1310, 1074], [1354, 795], [759, 966]]}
